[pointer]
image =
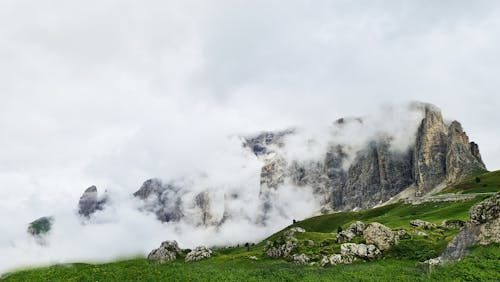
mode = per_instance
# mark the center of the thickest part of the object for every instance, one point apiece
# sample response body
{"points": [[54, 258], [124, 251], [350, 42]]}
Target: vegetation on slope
{"points": [[478, 183]]}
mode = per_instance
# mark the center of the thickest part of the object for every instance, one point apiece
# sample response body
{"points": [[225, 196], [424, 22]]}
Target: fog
{"points": [[111, 93]]}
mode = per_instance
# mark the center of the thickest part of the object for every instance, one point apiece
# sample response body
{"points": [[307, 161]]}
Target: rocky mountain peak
{"points": [[90, 202]]}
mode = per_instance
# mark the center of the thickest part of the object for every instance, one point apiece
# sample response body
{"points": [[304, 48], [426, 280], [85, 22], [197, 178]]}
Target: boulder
{"points": [[379, 235], [453, 223], [482, 228], [167, 251], [274, 250], [336, 259], [359, 250], [422, 224], [199, 253], [357, 228], [345, 236], [486, 211], [301, 259]]}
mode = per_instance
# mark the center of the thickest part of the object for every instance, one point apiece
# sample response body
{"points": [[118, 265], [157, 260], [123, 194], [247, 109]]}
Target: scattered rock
{"points": [[359, 250], [199, 253], [431, 264], [301, 259], [167, 251], [483, 228], [379, 235], [486, 211], [289, 234], [336, 259], [357, 228], [310, 242], [453, 223], [423, 224], [253, 258], [279, 251], [345, 236], [419, 233]]}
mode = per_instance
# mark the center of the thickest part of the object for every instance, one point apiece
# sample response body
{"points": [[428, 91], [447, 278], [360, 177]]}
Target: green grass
{"points": [[482, 265], [478, 183]]}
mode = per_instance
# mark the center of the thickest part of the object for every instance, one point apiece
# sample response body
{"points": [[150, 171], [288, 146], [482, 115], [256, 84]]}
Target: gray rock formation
{"points": [[482, 228], [337, 259], [422, 224], [168, 251], [202, 201], [288, 235], [163, 199], [453, 223], [362, 251], [441, 154], [199, 253], [380, 236], [90, 202], [301, 259], [275, 250]]}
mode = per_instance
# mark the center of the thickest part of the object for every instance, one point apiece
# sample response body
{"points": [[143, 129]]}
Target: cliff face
{"points": [[441, 153]]}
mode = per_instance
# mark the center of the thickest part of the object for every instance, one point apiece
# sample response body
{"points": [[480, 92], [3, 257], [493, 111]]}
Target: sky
{"points": [[111, 93]]}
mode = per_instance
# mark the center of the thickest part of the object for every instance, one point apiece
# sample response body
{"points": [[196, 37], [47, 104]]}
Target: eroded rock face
{"points": [[168, 251], [199, 253], [380, 236], [347, 180], [163, 199], [90, 202], [443, 153]]}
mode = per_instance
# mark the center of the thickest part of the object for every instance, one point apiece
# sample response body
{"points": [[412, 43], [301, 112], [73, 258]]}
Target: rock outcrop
{"points": [[90, 202], [163, 199], [366, 252], [199, 253], [301, 259], [347, 180], [422, 224], [380, 236], [168, 251], [482, 228]]}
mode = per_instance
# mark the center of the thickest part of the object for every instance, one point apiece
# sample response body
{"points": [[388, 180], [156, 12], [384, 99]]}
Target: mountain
{"points": [[345, 175], [440, 154]]}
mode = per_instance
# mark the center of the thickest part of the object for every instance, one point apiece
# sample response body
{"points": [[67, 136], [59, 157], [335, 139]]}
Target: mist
{"points": [[112, 93]]}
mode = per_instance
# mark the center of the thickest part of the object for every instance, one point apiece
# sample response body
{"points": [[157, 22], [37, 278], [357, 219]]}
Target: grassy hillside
{"points": [[401, 263], [478, 183], [481, 265]]}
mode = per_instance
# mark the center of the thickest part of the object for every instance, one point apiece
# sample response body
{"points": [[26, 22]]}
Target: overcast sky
{"points": [[112, 93]]}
